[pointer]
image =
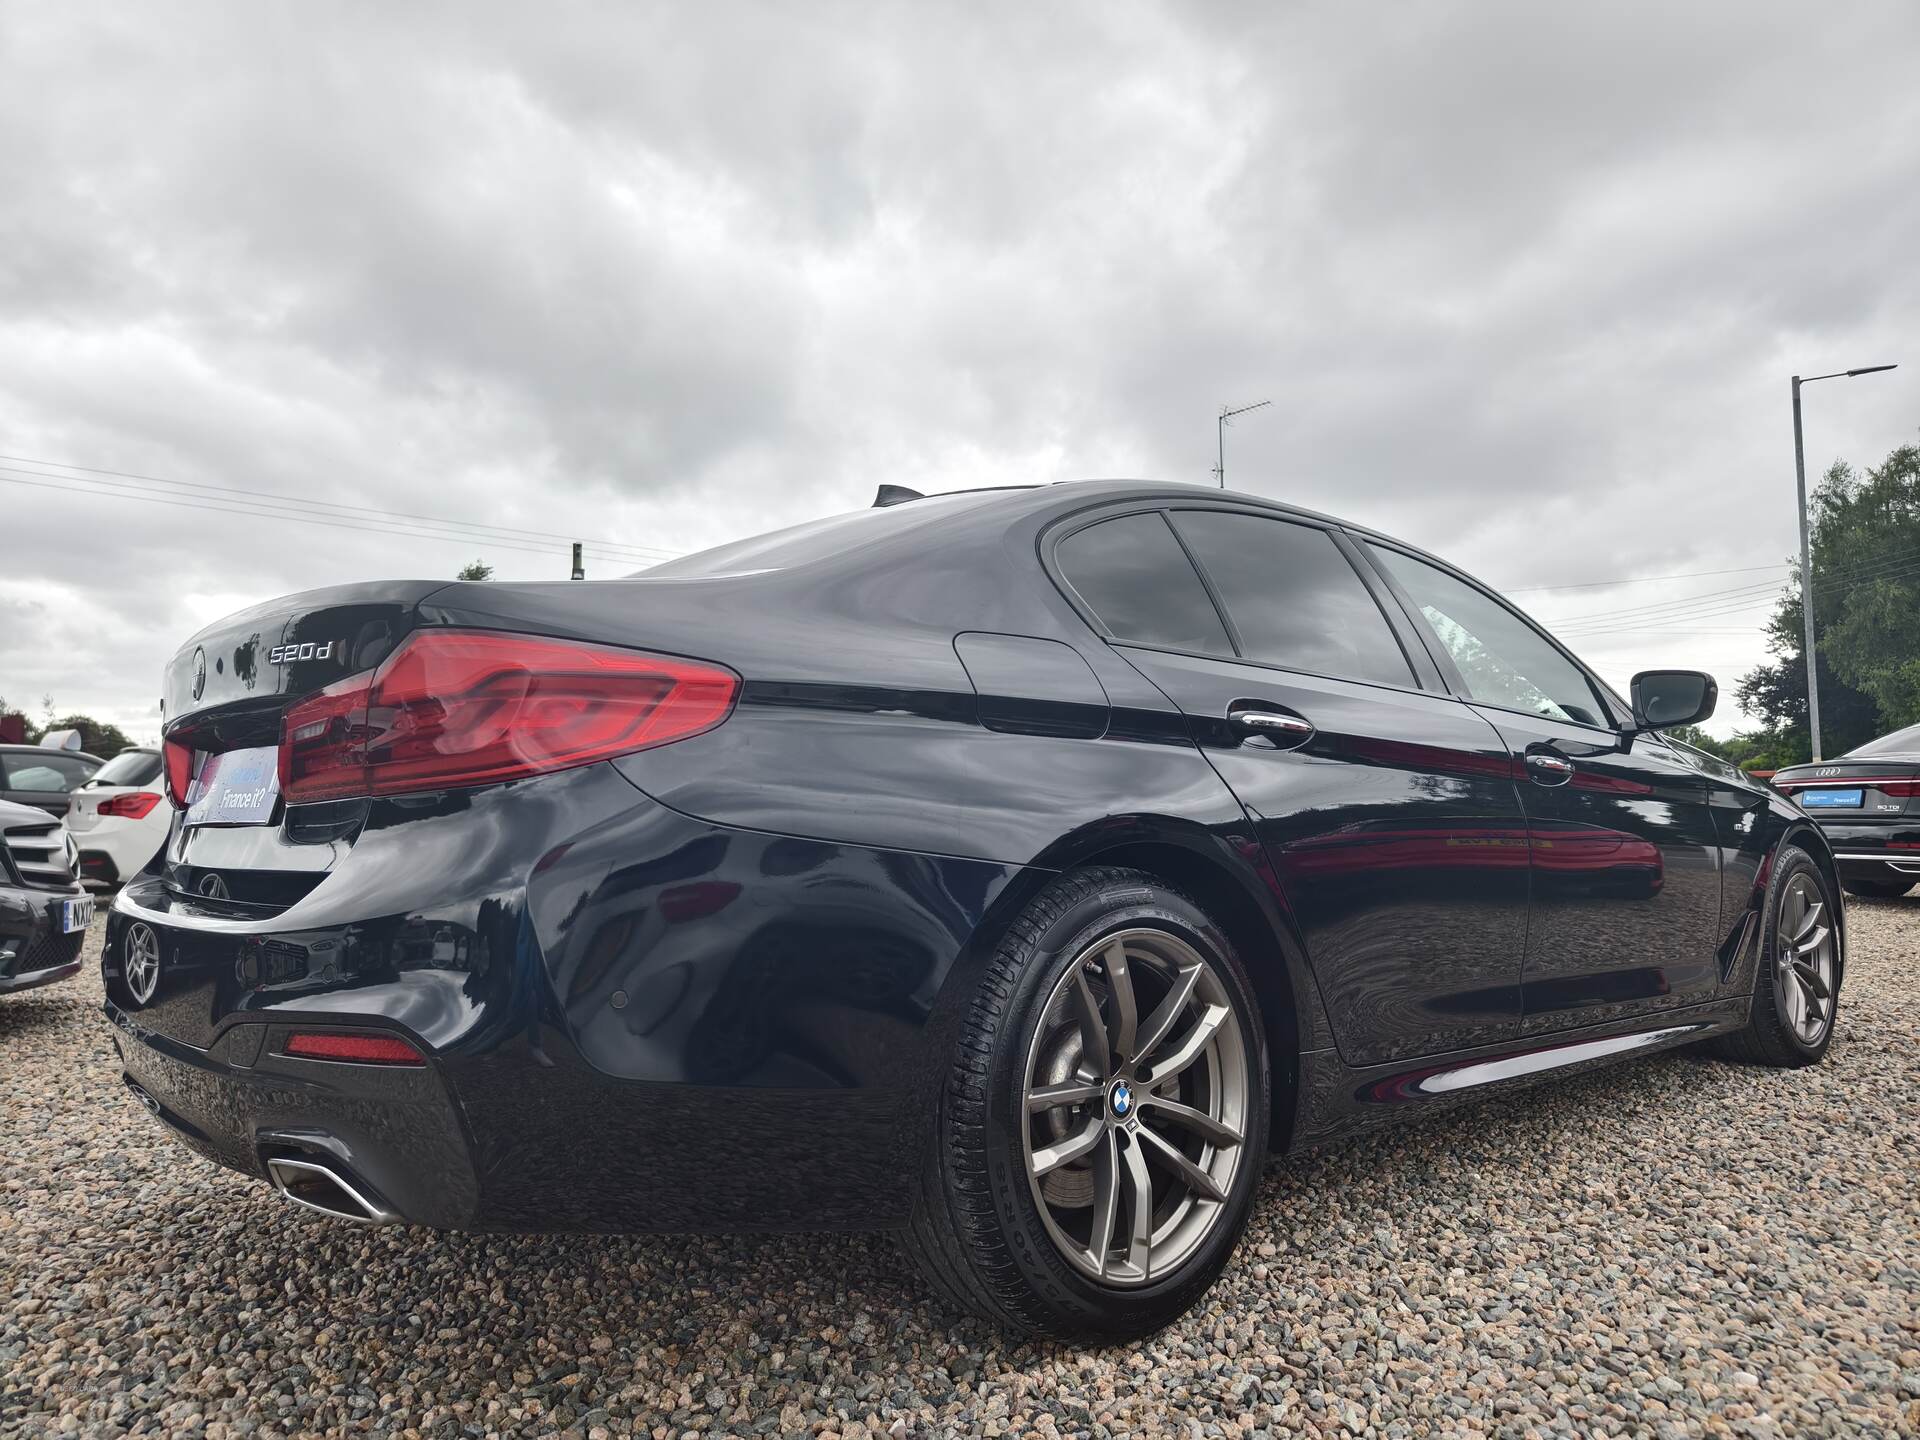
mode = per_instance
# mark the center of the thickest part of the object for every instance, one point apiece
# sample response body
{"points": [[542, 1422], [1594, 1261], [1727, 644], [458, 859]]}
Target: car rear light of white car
{"points": [[136, 805], [456, 708]]}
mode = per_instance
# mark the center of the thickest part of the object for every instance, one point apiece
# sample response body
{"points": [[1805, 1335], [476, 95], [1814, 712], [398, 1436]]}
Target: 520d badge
{"points": [[287, 654]]}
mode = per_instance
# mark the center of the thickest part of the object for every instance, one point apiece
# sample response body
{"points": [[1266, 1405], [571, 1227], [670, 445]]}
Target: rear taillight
{"points": [[136, 806], [453, 708], [178, 754], [358, 1049], [1904, 789]]}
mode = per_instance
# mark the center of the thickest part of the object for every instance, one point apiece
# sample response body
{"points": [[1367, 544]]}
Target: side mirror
{"points": [[1663, 699]]}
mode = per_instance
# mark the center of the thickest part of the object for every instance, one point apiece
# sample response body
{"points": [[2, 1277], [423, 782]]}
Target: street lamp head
{"points": [[1870, 370]]}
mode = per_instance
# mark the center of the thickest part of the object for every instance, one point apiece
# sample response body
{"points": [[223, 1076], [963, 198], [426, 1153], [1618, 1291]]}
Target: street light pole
{"points": [[1220, 434], [1806, 546]]}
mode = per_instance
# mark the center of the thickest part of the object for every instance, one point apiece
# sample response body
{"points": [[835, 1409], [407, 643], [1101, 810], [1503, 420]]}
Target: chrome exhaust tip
{"points": [[315, 1185]]}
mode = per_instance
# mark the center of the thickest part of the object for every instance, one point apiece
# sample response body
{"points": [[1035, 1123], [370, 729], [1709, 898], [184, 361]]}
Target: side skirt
{"points": [[1337, 1099]]}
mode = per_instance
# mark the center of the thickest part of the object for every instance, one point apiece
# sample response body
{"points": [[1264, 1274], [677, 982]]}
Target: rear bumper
{"points": [[1856, 865], [633, 1020], [117, 848], [1883, 851], [33, 952], [99, 867], [393, 1127]]}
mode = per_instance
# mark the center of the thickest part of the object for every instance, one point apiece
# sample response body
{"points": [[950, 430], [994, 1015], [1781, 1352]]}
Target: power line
{"points": [[1687, 620], [73, 485], [1766, 591], [328, 505], [280, 497], [1626, 580], [1690, 630], [1679, 601]]}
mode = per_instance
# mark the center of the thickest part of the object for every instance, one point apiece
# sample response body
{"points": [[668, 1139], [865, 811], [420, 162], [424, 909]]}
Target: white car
{"points": [[119, 818]]}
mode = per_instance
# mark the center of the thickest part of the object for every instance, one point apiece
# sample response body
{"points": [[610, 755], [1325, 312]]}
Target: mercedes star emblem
{"points": [[214, 888]]}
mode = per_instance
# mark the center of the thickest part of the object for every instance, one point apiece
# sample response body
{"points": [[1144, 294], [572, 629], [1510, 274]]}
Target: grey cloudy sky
{"points": [[1525, 284]]}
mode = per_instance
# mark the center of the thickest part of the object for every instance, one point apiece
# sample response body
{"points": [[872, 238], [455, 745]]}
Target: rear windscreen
{"points": [[129, 767], [1900, 742], [817, 539]]}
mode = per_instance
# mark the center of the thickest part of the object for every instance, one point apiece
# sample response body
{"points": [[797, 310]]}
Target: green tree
{"points": [[1871, 580], [1699, 739], [1865, 533], [1766, 749], [477, 570]]}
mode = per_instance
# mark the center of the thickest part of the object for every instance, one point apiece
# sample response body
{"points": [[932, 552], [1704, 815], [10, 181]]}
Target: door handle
{"points": [[1283, 729], [1547, 768]]}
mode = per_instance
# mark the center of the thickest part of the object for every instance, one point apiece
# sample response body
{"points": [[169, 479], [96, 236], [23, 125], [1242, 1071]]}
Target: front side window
{"points": [[1292, 596], [1133, 575], [1503, 660]]}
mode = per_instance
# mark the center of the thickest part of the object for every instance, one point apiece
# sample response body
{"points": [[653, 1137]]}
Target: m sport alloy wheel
{"points": [[1103, 1128], [1136, 1096], [1796, 989]]}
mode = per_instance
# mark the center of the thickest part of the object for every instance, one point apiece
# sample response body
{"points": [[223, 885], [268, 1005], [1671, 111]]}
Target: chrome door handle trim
{"points": [[1268, 720], [1549, 769]]}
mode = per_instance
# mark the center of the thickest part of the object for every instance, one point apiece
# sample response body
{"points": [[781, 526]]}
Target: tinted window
{"points": [[1138, 580], [47, 771], [1293, 597], [129, 767], [1503, 660]]}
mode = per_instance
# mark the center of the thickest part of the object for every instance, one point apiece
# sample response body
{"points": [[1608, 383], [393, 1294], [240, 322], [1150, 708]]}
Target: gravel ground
{"points": [[1682, 1247]]}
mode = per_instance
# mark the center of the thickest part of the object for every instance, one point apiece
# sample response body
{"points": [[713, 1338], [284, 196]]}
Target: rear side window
{"points": [[49, 771], [1293, 597], [1133, 574], [1503, 660]]}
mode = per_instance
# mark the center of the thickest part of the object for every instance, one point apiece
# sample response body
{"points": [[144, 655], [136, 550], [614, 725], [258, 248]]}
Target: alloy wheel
{"points": [[142, 964], [1136, 1100], [1803, 962]]}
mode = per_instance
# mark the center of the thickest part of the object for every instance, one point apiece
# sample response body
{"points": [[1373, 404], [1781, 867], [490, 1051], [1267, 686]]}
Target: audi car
{"points": [[1868, 804], [1015, 869], [44, 914]]}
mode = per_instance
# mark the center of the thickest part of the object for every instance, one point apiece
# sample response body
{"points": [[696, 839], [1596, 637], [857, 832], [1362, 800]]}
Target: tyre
{"points": [[1877, 889], [1796, 988], [1101, 1133]]}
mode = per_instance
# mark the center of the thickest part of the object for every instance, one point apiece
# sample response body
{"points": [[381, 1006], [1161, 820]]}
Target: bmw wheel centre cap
{"points": [[1120, 1100]]}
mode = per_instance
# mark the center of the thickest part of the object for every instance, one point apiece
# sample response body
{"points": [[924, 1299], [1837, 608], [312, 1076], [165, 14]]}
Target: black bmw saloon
{"points": [[1016, 869]]}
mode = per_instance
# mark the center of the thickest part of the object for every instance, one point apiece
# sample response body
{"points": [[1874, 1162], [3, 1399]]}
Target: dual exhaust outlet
{"points": [[327, 1189]]}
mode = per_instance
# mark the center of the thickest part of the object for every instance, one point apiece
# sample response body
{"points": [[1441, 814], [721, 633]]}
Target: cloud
{"points": [[1525, 285]]}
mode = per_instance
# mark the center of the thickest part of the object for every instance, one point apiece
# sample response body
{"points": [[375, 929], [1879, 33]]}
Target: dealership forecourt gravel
{"points": [[1681, 1247]]}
